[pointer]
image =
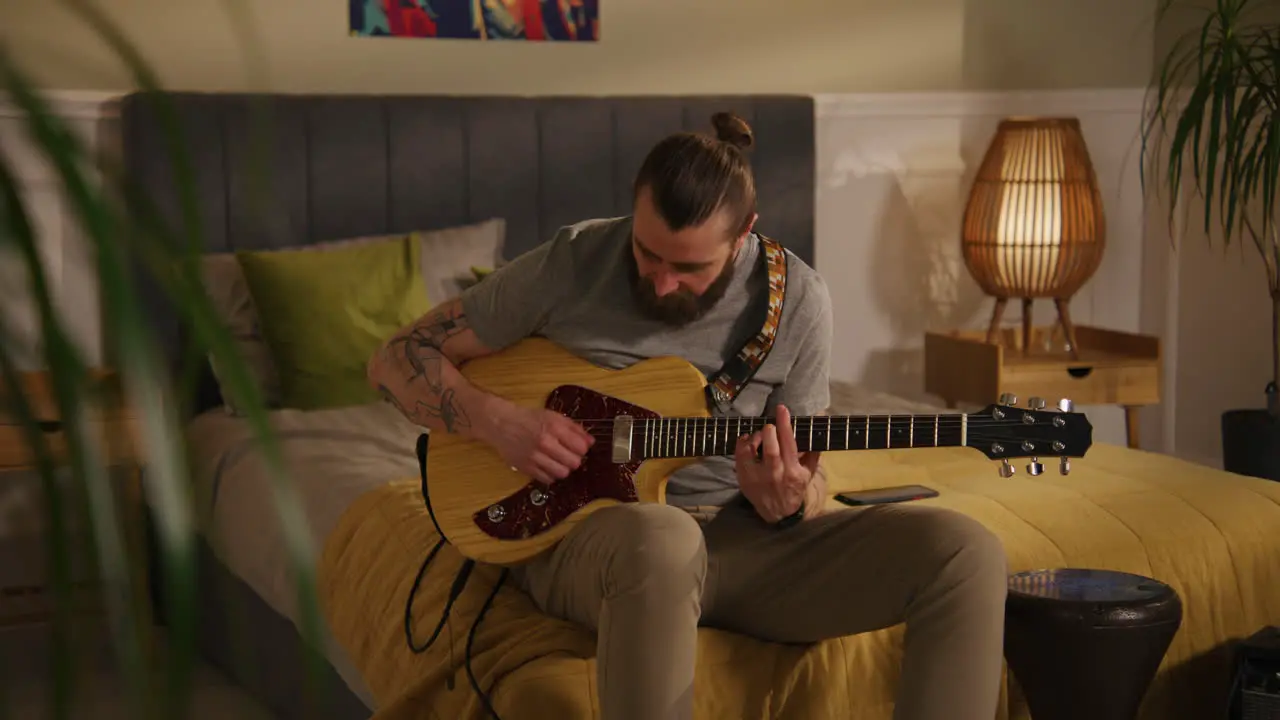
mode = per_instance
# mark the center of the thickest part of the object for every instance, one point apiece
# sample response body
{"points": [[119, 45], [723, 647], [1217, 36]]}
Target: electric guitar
{"points": [[649, 420]]}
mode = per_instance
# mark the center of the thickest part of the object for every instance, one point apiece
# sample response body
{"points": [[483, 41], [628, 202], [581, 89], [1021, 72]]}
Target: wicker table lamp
{"points": [[1034, 226]]}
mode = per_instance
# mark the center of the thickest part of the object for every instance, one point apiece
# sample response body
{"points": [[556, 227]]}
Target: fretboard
{"points": [[701, 437]]}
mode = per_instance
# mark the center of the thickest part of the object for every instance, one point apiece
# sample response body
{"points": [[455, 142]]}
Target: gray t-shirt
{"points": [[575, 291]]}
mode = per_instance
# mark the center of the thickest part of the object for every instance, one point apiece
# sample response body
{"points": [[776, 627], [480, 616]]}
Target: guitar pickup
{"points": [[623, 427]]}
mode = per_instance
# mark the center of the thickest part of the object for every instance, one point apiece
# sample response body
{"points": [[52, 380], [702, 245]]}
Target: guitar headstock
{"points": [[1002, 431]]}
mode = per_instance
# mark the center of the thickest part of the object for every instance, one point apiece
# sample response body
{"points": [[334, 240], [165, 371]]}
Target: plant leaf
{"points": [[1219, 94], [16, 406], [172, 259], [68, 373]]}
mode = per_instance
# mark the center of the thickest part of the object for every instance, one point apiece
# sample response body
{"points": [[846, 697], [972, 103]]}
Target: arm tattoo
{"points": [[451, 413], [421, 349], [448, 410], [422, 346]]}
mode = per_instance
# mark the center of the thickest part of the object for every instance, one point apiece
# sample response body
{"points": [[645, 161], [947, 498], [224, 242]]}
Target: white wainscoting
{"points": [[893, 176], [72, 277], [893, 172]]}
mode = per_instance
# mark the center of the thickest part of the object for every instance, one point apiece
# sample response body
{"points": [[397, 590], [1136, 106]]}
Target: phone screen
{"points": [[899, 493]]}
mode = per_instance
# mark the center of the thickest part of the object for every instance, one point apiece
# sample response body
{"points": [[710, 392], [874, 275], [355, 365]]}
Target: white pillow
{"points": [[447, 257]]}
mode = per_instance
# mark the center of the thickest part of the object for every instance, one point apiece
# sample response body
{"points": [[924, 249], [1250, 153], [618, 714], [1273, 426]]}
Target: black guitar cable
{"points": [[459, 582]]}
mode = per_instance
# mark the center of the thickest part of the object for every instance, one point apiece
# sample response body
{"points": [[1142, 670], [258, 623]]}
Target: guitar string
{"points": [[835, 436], [670, 430], [875, 420], [859, 431], [660, 449], [978, 437], [700, 425]]}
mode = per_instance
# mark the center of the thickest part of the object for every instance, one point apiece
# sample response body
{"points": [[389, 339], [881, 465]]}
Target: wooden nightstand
{"points": [[1113, 368], [31, 599]]}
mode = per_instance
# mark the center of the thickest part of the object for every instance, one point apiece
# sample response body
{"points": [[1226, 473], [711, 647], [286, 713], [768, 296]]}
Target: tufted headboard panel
{"points": [[346, 166]]}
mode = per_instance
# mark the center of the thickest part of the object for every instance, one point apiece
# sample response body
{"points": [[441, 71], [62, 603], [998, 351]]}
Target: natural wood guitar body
{"points": [[465, 478]]}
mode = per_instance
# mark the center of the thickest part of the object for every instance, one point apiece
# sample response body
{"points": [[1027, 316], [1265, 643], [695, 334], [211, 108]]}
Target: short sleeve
{"points": [[807, 387], [514, 301]]}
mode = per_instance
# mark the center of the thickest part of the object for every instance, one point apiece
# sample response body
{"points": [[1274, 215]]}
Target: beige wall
{"points": [[648, 46], [910, 91], [1207, 301]]}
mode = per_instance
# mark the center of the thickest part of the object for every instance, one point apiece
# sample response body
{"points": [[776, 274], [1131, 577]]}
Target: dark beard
{"points": [[682, 306]]}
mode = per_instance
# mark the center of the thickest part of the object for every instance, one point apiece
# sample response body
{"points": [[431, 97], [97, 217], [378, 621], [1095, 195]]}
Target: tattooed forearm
{"points": [[422, 360], [451, 412], [414, 373], [422, 347], [448, 410]]}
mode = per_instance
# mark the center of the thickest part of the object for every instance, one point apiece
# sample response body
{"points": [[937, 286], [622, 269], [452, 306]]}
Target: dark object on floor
{"points": [[1251, 441], [1255, 686], [1086, 643]]}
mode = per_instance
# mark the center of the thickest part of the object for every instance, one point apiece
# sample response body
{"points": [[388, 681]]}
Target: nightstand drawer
{"points": [[1113, 368], [116, 432], [1085, 383], [16, 452], [27, 594]]}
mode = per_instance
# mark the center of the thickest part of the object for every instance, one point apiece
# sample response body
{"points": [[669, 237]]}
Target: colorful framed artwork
{"points": [[535, 20]]}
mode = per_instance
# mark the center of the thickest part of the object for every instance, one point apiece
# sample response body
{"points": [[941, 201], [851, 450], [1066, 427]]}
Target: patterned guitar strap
{"points": [[723, 386]]}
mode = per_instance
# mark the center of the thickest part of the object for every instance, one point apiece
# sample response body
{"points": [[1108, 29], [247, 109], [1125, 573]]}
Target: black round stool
{"points": [[1085, 644]]}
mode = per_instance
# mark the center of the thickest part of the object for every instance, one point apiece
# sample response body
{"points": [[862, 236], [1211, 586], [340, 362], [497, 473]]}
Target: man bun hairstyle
{"points": [[732, 129], [691, 176]]}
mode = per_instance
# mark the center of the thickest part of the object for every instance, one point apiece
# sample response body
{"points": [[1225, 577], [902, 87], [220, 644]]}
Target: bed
{"points": [[352, 167]]}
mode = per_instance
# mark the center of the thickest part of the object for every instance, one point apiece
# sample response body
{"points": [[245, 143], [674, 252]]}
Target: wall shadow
{"points": [[921, 283]]}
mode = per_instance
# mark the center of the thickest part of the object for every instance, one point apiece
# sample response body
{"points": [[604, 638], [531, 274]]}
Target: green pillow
{"points": [[324, 313], [480, 272]]}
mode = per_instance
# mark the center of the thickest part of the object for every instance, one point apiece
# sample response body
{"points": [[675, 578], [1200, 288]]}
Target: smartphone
{"points": [[877, 496]]}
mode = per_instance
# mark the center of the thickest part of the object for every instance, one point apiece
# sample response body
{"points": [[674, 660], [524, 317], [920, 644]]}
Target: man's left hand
{"points": [[778, 481]]}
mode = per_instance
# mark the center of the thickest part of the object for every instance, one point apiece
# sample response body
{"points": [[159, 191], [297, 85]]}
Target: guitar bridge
{"points": [[623, 427]]}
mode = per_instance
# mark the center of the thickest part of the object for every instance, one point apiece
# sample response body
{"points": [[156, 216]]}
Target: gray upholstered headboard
{"points": [[345, 166]]}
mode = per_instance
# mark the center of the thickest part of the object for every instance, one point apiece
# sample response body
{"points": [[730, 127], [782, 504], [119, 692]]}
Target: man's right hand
{"points": [[540, 443]]}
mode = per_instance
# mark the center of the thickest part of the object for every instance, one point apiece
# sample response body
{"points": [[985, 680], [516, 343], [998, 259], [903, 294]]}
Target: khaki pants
{"points": [[645, 576]]}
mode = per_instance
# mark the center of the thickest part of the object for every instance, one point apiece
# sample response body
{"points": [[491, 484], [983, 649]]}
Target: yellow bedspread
{"points": [[1210, 535]]}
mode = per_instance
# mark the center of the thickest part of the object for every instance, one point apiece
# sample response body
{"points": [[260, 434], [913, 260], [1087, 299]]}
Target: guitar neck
{"points": [[703, 437]]}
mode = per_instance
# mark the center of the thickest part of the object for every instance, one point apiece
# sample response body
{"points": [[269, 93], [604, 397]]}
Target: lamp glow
{"points": [[1034, 225]]}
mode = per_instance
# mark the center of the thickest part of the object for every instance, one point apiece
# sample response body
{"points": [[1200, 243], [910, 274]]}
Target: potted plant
{"points": [[1213, 124], [126, 238]]}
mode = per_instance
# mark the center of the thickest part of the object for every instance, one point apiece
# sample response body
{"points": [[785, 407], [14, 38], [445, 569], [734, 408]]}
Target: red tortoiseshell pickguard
{"points": [[598, 477]]}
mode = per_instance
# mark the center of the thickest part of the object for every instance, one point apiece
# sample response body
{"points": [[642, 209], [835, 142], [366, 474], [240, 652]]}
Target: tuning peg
{"points": [[1064, 465], [1034, 468], [1006, 470], [1008, 399], [1036, 403], [1065, 405]]}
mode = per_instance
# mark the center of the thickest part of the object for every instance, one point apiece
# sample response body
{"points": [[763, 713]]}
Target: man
{"points": [[744, 543]]}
